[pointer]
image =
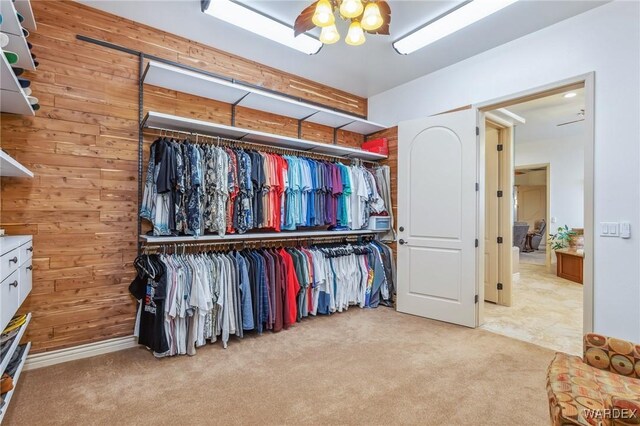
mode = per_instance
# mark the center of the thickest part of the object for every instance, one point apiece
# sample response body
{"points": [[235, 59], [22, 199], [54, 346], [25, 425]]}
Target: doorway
{"points": [[441, 208], [547, 192]]}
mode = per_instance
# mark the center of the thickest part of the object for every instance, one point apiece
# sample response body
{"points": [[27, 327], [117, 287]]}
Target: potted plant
{"points": [[561, 239]]}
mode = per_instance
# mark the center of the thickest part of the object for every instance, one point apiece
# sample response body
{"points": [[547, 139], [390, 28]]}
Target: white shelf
{"points": [[16, 378], [15, 103], [199, 84], [5, 361], [24, 7], [159, 120], [253, 236], [10, 23], [18, 44], [9, 166], [8, 80]]}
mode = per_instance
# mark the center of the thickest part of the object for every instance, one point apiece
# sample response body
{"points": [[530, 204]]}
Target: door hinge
{"points": [[499, 286], [477, 243], [476, 299], [477, 186], [499, 194], [477, 131], [500, 147], [499, 240]]}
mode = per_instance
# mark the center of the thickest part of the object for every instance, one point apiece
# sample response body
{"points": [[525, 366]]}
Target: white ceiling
{"points": [[363, 70], [543, 116]]}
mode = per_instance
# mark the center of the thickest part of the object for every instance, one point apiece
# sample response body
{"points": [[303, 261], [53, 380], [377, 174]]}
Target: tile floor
{"points": [[546, 311]]}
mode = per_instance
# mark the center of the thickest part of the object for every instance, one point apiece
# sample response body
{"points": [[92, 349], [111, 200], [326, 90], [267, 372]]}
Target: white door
{"points": [[437, 210]]}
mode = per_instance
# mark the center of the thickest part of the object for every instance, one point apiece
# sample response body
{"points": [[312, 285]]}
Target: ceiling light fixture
{"points": [[355, 35], [447, 24], [251, 20], [371, 16], [570, 95]]}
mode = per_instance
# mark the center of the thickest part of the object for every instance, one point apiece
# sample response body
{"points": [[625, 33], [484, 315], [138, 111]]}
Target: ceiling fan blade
{"points": [[304, 21], [385, 11], [569, 122]]}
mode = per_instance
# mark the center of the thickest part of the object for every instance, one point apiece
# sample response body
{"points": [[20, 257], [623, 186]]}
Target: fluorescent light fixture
{"points": [[251, 20], [455, 20], [570, 95]]}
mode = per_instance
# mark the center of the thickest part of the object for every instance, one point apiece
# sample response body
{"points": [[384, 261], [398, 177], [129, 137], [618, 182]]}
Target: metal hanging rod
{"points": [[155, 247], [268, 148]]}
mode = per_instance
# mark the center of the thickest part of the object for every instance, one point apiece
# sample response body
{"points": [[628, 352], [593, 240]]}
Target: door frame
{"points": [[547, 167], [505, 204], [588, 82]]}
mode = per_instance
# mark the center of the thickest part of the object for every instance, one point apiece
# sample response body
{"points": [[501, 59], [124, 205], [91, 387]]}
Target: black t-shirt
{"points": [[152, 294]]}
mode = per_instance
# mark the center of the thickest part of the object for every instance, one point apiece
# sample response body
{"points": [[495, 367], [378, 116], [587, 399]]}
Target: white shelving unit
{"points": [[24, 8], [172, 122], [200, 84], [5, 361], [12, 27], [16, 378], [10, 167], [253, 236]]}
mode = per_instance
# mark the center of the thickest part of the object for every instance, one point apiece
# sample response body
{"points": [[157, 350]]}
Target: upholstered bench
{"points": [[603, 388]]}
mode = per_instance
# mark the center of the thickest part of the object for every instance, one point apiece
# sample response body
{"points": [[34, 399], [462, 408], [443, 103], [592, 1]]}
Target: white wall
{"points": [[605, 40], [566, 160]]}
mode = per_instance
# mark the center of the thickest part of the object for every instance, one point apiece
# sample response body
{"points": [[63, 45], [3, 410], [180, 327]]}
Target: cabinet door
{"points": [[26, 280], [9, 298]]}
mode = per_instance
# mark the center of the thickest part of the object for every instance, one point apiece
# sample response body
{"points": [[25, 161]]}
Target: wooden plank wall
{"points": [[81, 206]]}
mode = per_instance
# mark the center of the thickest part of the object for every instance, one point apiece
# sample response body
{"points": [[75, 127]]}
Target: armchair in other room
{"points": [[520, 230], [602, 388], [538, 233]]}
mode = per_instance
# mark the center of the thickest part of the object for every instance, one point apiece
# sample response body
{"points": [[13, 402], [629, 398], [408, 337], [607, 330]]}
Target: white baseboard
{"points": [[59, 356]]}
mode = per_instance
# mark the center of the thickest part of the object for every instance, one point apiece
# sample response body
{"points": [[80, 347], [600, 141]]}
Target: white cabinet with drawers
{"points": [[16, 270], [16, 273]]}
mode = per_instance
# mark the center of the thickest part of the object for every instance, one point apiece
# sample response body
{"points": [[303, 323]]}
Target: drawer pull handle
{"points": [[14, 260], [14, 284], [29, 268], [30, 248]]}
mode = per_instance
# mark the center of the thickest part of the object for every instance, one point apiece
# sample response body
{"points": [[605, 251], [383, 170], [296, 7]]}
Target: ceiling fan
{"points": [[580, 114], [370, 16]]}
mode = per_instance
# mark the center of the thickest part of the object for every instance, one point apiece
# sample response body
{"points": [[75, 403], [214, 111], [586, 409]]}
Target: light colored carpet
{"points": [[360, 367], [546, 310]]}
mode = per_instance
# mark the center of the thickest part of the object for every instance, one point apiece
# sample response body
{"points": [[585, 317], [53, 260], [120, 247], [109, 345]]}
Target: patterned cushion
{"points": [[615, 355], [575, 387]]}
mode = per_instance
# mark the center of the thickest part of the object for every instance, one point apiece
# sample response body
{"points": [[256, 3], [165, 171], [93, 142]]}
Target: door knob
{"points": [[14, 260], [401, 228], [14, 284], [401, 241], [29, 268]]}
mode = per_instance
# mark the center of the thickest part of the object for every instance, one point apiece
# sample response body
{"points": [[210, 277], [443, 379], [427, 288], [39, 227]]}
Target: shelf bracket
{"points": [[233, 108], [335, 131], [304, 119]]}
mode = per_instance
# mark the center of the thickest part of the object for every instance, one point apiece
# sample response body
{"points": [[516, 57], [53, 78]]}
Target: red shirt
{"points": [[292, 288]]}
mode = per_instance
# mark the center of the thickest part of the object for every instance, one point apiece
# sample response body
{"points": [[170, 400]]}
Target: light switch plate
{"points": [[609, 229], [625, 230]]}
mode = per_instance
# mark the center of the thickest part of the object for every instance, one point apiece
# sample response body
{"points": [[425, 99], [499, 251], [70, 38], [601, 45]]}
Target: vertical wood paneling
{"points": [[81, 206]]}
